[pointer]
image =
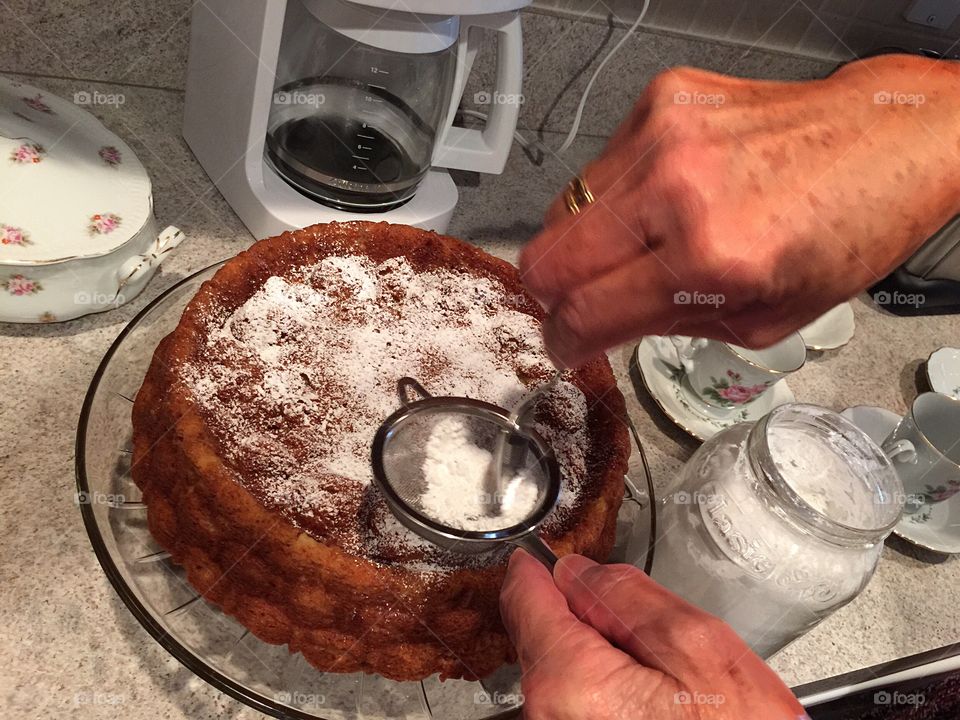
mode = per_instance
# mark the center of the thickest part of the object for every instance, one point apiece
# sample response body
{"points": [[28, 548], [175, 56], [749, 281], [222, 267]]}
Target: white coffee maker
{"points": [[305, 111]]}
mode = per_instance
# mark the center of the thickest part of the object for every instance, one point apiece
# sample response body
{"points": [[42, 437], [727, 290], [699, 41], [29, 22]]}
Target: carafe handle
{"points": [[485, 150]]}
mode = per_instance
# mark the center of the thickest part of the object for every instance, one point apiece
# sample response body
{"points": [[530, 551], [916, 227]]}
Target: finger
{"points": [[573, 249], [638, 298], [569, 670], [739, 333], [582, 247], [760, 325], [757, 325], [628, 145], [609, 174], [539, 623], [623, 604], [560, 215]]}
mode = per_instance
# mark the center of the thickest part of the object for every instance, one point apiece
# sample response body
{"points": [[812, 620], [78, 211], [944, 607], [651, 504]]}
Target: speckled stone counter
{"points": [[68, 645]]}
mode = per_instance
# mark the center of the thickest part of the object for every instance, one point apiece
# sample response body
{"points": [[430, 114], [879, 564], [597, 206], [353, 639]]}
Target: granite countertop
{"points": [[69, 645]]}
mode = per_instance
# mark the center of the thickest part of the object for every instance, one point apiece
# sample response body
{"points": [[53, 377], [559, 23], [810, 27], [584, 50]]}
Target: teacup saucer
{"points": [[943, 371], [933, 527], [831, 330], [664, 381]]}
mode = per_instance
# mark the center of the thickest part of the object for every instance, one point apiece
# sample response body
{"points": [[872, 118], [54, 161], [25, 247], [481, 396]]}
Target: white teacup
{"points": [[729, 376], [925, 449]]}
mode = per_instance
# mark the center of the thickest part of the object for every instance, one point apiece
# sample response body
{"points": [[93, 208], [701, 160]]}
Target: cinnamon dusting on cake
{"points": [[294, 383]]}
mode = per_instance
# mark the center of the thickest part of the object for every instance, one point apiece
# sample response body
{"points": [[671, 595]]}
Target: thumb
{"points": [[569, 669], [539, 623]]}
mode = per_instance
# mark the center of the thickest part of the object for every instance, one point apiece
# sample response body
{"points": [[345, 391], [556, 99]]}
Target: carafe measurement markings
{"points": [[361, 146]]}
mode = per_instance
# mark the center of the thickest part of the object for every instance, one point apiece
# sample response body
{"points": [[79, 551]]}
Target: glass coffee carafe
{"points": [[361, 98]]}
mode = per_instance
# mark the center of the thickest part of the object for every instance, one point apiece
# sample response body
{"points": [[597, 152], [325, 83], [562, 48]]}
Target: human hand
{"points": [[742, 210], [605, 641]]}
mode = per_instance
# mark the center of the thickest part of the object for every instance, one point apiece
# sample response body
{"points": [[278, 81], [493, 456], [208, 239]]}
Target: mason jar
{"points": [[773, 525]]}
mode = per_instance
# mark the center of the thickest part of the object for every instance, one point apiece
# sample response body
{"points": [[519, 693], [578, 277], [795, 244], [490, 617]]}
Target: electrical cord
{"points": [[575, 127], [651, 498], [528, 144]]}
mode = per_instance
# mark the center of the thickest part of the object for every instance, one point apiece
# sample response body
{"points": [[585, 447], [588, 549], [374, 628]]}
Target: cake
{"points": [[252, 434]]}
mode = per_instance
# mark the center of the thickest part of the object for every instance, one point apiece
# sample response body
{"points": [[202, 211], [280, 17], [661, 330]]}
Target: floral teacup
{"points": [[925, 448], [728, 376]]}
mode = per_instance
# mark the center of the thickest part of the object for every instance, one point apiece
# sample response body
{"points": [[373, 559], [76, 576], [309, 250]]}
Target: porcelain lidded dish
{"points": [[77, 231]]}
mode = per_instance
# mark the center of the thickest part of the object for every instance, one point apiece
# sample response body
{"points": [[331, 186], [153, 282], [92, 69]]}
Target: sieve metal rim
{"points": [[477, 408]]}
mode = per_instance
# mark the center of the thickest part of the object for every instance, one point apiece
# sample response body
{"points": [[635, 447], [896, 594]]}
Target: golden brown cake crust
{"points": [[292, 582]]}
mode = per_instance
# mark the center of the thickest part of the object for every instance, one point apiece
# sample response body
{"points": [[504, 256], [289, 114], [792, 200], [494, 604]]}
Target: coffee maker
{"points": [[305, 111]]}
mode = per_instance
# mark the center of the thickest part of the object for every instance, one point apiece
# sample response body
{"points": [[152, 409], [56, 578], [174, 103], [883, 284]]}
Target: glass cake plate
{"points": [[210, 643]]}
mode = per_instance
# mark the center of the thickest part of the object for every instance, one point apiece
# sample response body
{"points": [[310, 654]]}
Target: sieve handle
{"points": [[531, 399], [532, 543], [408, 389]]}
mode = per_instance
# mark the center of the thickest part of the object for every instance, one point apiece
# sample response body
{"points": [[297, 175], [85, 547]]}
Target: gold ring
{"points": [[577, 195]]}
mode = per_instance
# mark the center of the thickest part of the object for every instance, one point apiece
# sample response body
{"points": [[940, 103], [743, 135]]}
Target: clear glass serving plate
{"points": [[210, 643]]}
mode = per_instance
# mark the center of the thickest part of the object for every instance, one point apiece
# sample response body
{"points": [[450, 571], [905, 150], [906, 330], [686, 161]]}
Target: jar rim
{"points": [[849, 442]]}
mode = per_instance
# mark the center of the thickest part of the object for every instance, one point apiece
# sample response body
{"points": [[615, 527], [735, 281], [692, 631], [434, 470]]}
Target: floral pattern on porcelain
{"points": [[28, 154], [730, 391], [921, 516], [20, 285], [110, 155], [668, 385], [103, 223], [10, 235], [942, 492], [38, 104], [676, 379]]}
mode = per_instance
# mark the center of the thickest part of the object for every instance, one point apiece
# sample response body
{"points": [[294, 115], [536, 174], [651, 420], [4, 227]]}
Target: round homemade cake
{"points": [[252, 434]]}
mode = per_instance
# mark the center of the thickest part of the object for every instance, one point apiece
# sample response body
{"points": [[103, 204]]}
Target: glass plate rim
{"points": [[182, 654]]}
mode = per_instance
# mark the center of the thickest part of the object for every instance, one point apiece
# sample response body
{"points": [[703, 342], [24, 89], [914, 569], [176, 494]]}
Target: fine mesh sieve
{"points": [[465, 474]]}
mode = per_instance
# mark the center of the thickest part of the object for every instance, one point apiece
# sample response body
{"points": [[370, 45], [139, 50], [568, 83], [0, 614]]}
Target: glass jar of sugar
{"points": [[774, 525]]}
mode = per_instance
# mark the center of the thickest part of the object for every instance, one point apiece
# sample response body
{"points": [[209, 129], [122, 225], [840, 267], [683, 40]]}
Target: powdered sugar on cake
{"points": [[457, 479], [295, 382]]}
